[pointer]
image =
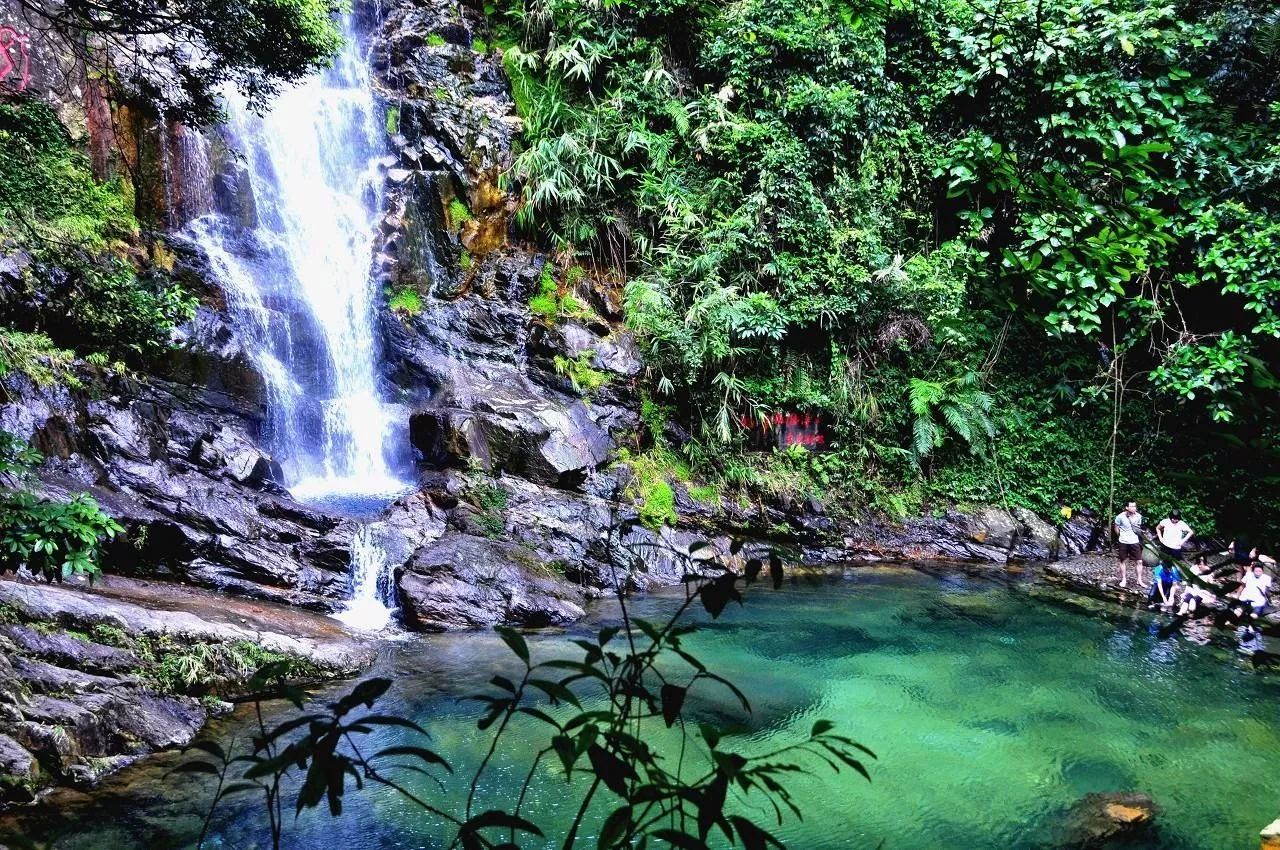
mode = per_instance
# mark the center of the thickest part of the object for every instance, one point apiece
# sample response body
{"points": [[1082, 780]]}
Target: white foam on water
{"points": [[372, 606]]}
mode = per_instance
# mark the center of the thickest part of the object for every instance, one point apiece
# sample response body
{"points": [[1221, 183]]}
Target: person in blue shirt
{"points": [[1164, 585]]}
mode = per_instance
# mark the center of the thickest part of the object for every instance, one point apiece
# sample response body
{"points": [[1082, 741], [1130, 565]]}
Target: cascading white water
{"points": [[315, 168], [300, 294], [373, 591]]}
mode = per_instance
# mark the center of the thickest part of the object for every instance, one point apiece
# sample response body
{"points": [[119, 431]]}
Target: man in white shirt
{"points": [[1173, 534], [1128, 526], [1256, 589]]}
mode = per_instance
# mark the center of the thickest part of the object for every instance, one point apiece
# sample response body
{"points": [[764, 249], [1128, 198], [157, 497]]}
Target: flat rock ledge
{"points": [[88, 684], [1094, 574]]}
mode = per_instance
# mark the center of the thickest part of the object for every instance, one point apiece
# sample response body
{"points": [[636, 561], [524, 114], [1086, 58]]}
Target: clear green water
{"points": [[992, 713]]}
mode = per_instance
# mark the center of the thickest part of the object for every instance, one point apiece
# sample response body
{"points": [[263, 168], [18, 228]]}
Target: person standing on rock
{"points": [[1128, 526], [1173, 534]]}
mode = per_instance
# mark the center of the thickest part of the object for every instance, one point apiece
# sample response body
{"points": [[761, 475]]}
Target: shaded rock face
{"points": [[989, 534], [60, 724], [73, 709], [477, 367], [463, 581], [182, 470]]}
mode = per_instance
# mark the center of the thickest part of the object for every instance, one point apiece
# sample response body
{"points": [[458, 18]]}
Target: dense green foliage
{"points": [[51, 538], [950, 227], [176, 56], [81, 288]]}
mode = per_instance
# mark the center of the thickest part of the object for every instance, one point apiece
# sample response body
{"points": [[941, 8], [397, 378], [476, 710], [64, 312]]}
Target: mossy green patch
{"points": [[406, 301], [581, 373], [550, 303], [458, 212], [707, 494], [490, 500], [651, 489]]}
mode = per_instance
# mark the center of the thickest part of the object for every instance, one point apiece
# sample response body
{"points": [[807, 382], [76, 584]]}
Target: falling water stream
{"points": [[300, 294]]}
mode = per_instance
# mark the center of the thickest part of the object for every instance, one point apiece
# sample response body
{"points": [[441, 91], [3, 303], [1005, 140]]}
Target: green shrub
{"points": [[52, 538], [80, 291], [35, 355], [179, 667], [435, 39], [405, 300], [581, 373]]}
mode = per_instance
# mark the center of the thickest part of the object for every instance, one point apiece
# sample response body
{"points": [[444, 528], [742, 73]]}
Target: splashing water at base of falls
{"points": [[372, 605], [298, 281], [293, 247]]}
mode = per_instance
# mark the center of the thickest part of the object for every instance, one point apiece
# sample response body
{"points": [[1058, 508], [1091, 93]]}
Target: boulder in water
{"points": [[1099, 819], [1271, 835], [464, 581]]}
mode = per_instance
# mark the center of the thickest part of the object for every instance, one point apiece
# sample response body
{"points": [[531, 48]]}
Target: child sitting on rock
{"points": [[1193, 595], [1164, 585]]}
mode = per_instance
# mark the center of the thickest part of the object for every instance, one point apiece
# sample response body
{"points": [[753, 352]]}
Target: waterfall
{"points": [[298, 284], [295, 266], [372, 604]]}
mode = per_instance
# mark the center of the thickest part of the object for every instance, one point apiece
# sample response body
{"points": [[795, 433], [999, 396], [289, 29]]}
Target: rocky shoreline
{"points": [[91, 679]]}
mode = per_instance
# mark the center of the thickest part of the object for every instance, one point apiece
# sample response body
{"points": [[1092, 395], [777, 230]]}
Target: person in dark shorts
{"points": [[1128, 527]]}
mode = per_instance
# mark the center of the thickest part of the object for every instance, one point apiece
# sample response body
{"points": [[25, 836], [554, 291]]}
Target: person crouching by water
{"points": [[1254, 594], [1244, 554], [1164, 585], [1128, 526], [1173, 535], [1193, 595]]}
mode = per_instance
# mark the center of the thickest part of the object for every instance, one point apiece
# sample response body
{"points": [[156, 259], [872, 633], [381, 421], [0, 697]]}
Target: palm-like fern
{"points": [[957, 406]]}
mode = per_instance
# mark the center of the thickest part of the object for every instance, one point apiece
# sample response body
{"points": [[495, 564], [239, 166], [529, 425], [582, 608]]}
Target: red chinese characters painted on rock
{"points": [[787, 429], [15, 66]]}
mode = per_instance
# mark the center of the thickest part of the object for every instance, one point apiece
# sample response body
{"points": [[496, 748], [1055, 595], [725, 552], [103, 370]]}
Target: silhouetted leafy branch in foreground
{"points": [[630, 680]]}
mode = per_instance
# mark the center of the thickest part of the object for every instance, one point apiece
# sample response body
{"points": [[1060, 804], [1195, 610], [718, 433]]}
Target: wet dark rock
{"points": [[616, 353], [19, 772], [463, 581], [182, 470], [486, 406], [46, 678], [1099, 820], [64, 650], [990, 534], [72, 710]]}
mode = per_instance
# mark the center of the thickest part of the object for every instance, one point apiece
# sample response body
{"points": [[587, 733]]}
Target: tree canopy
{"points": [[177, 55]]}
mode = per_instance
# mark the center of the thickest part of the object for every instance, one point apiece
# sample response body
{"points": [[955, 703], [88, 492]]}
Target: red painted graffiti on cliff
{"points": [[788, 429], [15, 65]]}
